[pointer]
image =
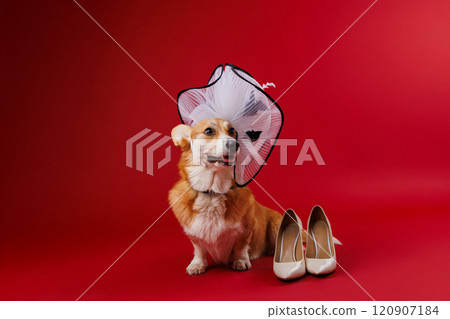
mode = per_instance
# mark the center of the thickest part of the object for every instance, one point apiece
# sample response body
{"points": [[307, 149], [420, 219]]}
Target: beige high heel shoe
{"points": [[289, 262], [320, 252]]}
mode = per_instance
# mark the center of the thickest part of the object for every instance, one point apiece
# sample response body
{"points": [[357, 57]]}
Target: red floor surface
{"points": [[376, 104]]}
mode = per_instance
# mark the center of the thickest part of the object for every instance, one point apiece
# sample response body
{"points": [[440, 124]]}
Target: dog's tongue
{"points": [[228, 158]]}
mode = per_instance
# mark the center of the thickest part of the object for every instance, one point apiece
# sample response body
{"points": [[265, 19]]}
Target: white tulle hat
{"points": [[234, 95]]}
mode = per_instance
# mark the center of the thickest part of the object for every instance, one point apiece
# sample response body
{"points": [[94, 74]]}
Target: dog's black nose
{"points": [[232, 145]]}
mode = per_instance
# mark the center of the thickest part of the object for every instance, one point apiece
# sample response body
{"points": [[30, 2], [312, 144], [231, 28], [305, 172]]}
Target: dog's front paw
{"points": [[242, 265], [196, 268]]}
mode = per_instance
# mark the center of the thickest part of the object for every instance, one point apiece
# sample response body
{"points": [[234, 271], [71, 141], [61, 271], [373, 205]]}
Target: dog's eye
{"points": [[209, 131], [231, 131]]}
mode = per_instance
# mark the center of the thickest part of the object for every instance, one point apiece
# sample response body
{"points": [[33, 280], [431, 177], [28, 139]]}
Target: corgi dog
{"points": [[220, 218]]}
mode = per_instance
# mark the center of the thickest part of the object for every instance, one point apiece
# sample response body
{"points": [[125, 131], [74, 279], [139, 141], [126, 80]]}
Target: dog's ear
{"points": [[181, 135]]}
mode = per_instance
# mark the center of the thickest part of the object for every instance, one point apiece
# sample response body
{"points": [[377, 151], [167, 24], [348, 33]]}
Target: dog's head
{"points": [[213, 143], [210, 147]]}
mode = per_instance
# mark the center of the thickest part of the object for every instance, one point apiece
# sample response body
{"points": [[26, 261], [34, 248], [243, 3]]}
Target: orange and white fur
{"points": [[220, 218]]}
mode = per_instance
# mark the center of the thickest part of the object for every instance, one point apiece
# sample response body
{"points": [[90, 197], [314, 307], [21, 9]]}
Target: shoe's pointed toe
{"points": [[320, 266], [289, 270]]}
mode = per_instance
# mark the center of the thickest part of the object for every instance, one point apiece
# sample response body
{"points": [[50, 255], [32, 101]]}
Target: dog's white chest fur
{"points": [[210, 228], [202, 179]]}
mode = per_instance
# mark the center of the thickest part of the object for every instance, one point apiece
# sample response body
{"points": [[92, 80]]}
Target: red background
{"points": [[376, 104]]}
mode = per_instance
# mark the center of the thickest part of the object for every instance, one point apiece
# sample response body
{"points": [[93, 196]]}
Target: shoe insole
{"points": [[321, 236], [289, 240]]}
